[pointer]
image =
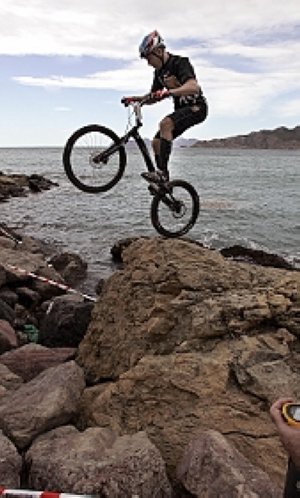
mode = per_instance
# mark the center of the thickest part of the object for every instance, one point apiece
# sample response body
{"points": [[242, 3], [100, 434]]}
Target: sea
{"points": [[248, 197]]}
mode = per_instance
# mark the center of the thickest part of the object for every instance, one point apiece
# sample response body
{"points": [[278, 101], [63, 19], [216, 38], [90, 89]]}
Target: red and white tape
{"points": [[24, 493], [64, 287]]}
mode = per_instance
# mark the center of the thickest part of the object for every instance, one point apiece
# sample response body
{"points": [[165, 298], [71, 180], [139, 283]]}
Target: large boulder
{"points": [[213, 468], [10, 464], [173, 397], [8, 379], [174, 296], [8, 338], [31, 359], [66, 322], [19, 265], [70, 266], [97, 462], [7, 313], [191, 341], [46, 402]]}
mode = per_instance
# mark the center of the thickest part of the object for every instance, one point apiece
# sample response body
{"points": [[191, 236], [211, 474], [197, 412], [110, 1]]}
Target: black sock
{"points": [[165, 151], [157, 161]]}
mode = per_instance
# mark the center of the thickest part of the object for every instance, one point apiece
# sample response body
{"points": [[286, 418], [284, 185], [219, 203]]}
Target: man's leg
{"points": [[166, 136], [156, 147]]}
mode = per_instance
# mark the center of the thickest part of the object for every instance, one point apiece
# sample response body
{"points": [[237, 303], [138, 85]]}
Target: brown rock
{"points": [[10, 464], [70, 266], [97, 462], [174, 293], [30, 360], [213, 468], [8, 379], [192, 341], [173, 397], [48, 401], [8, 338]]}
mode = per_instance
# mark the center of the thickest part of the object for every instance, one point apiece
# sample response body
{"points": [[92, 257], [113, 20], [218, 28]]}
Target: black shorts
{"points": [[186, 117]]}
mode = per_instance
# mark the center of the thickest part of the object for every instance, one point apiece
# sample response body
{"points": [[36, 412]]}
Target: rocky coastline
{"points": [[19, 185], [281, 138], [159, 388]]}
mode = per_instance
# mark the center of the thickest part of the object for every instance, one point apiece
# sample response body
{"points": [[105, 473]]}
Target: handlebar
{"points": [[132, 101], [154, 97], [136, 105]]}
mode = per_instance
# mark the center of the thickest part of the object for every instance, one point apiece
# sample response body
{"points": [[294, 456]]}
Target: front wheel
{"points": [[94, 159], [175, 209]]}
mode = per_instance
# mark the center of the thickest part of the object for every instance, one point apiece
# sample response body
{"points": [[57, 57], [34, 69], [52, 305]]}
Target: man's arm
{"points": [[289, 436], [190, 87]]}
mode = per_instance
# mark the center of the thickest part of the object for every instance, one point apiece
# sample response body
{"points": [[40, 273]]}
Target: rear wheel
{"points": [[94, 159], [174, 210]]}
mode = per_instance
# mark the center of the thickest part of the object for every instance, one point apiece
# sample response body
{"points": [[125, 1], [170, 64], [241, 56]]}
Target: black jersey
{"points": [[178, 70]]}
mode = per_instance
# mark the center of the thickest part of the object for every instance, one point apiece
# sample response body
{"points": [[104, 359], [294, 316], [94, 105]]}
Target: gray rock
{"points": [[46, 402], [8, 338], [97, 462], [66, 322], [10, 464], [31, 359], [8, 379], [211, 467], [6, 312]]}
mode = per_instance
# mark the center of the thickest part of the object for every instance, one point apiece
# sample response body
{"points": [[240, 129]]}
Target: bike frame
{"points": [[134, 133]]}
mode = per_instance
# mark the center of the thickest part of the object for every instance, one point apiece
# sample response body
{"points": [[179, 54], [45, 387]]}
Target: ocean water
{"points": [[248, 197]]}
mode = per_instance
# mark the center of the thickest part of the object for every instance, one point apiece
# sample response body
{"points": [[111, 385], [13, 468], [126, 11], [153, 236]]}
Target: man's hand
{"points": [[128, 100], [290, 436], [160, 94]]}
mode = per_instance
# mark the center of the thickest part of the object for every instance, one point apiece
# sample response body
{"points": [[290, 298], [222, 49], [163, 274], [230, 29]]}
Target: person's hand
{"points": [[289, 435], [128, 100], [160, 94]]}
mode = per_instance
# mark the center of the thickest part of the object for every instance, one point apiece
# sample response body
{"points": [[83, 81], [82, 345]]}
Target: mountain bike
{"points": [[94, 160]]}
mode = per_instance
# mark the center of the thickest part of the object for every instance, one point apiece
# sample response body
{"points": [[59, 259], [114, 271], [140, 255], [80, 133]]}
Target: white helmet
{"points": [[150, 42]]}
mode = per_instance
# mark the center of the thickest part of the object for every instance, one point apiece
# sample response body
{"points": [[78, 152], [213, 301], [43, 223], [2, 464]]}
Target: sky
{"points": [[67, 63]]}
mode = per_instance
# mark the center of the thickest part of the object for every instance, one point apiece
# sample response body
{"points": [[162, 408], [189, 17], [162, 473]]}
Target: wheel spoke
{"points": [[88, 162], [174, 214]]}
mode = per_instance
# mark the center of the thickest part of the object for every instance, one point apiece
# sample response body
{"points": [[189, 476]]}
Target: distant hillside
{"points": [[280, 138]]}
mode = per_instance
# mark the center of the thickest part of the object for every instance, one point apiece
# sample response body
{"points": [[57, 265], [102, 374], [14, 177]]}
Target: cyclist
{"points": [[174, 76]]}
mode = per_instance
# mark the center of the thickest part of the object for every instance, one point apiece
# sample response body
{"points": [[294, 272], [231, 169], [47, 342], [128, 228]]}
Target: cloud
{"points": [[114, 29], [243, 51], [134, 77]]}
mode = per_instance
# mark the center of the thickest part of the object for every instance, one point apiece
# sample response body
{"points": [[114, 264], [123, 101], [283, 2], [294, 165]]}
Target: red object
{"points": [[161, 94]]}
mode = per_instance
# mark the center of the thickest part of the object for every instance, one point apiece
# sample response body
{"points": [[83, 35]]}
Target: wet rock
{"points": [[118, 248], [70, 266], [257, 257], [16, 185]]}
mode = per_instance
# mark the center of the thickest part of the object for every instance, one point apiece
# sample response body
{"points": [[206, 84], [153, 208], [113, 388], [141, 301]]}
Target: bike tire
{"points": [[81, 147], [186, 197]]}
